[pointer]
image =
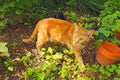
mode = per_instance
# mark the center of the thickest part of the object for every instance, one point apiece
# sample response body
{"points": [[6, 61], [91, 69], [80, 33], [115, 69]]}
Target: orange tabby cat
{"points": [[51, 29]]}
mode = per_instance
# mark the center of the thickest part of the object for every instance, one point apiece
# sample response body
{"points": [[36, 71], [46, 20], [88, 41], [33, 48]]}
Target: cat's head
{"points": [[83, 38]]}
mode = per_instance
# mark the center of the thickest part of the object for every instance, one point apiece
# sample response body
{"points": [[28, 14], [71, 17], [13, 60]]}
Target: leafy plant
{"points": [[18, 11], [92, 6], [14, 12], [9, 64], [26, 59], [110, 7], [103, 72], [14, 44], [110, 22], [53, 65], [62, 65], [34, 74], [72, 15]]}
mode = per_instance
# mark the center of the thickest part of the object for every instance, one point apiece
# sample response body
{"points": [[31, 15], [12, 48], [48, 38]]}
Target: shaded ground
{"points": [[13, 35]]}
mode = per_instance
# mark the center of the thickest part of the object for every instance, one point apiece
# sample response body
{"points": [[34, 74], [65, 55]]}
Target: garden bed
{"points": [[13, 35]]}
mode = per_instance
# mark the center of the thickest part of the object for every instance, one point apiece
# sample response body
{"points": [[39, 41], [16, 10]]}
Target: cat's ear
{"points": [[76, 28], [90, 33]]}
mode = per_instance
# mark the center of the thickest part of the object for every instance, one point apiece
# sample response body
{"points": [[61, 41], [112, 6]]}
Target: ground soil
{"points": [[13, 35]]}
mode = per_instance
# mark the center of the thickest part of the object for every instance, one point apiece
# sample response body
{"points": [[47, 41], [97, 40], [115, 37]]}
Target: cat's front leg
{"points": [[80, 60], [78, 56]]}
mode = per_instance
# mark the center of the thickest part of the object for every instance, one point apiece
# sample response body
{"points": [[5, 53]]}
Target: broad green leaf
{"points": [[57, 56], [3, 49], [10, 68], [50, 50]]}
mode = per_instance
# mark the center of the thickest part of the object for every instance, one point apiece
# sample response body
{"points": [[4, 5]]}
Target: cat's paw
{"points": [[25, 40]]}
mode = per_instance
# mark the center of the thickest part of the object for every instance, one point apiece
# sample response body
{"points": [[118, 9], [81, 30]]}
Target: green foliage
{"points": [[110, 7], [3, 49], [4, 52], [109, 71], [71, 15], [18, 11], [26, 59], [110, 22], [53, 65], [92, 6], [57, 65], [9, 64]]}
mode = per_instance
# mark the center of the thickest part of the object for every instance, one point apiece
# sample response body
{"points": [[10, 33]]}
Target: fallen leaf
{"points": [[16, 59]]}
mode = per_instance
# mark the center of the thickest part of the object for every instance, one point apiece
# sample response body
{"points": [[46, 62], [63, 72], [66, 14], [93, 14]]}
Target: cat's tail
{"points": [[32, 35]]}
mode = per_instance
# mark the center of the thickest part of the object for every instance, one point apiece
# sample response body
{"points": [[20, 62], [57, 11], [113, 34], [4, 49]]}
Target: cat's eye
{"points": [[81, 39]]}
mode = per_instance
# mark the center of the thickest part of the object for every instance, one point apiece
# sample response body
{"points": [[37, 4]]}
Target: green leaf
{"points": [[97, 43], [107, 33], [96, 33], [57, 56], [67, 51], [43, 51], [118, 71], [10, 68], [41, 76], [12, 4], [116, 78], [9, 64], [18, 12], [50, 50], [52, 66], [48, 57], [3, 49], [2, 25], [43, 67], [28, 54]]}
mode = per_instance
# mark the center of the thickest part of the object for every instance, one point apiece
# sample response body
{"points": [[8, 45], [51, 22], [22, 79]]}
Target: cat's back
{"points": [[55, 21]]}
